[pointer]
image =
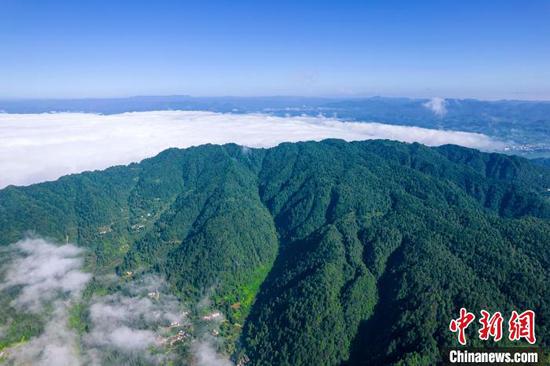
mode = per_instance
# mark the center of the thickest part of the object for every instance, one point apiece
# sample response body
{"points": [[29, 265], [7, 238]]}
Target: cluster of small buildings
{"points": [[137, 227], [180, 335], [213, 316]]}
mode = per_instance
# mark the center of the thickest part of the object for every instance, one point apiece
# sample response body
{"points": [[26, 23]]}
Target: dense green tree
{"points": [[330, 253]]}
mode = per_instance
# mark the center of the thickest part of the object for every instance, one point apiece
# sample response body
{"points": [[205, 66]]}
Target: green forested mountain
{"points": [[327, 253]]}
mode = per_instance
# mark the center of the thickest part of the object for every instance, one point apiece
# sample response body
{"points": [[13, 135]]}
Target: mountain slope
{"points": [[329, 252]]}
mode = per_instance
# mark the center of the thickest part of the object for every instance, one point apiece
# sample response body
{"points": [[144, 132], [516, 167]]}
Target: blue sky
{"points": [[105, 48]]}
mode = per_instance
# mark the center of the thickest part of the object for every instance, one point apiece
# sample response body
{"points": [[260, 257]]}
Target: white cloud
{"points": [[45, 279], [134, 320], [205, 354], [40, 147], [128, 339], [204, 347], [437, 106], [44, 271], [49, 280], [57, 345]]}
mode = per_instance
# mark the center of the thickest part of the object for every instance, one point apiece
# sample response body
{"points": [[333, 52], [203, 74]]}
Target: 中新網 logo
{"points": [[520, 326]]}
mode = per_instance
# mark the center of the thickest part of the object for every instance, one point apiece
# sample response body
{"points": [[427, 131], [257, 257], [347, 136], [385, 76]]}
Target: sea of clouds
{"points": [[42, 147]]}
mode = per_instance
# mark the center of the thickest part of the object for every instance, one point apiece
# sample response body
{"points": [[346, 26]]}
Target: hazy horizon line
{"points": [[274, 96]]}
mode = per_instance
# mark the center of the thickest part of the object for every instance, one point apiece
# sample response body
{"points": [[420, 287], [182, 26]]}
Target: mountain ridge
{"points": [[309, 244]]}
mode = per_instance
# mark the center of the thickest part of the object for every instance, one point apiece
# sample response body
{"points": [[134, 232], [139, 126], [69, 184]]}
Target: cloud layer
{"points": [[127, 326], [40, 147], [50, 280], [205, 354], [44, 272], [57, 345], [140, 316]]}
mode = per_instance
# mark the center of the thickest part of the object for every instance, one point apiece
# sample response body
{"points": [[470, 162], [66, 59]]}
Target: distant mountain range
{"points": [[523, 124], [328, 253]]}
